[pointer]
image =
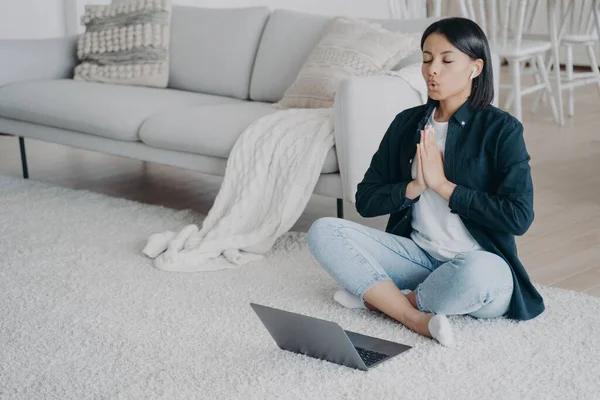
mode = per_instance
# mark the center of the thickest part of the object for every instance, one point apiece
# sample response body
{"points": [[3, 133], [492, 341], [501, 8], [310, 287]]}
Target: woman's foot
{"points": [[440, 330], [435, 326], [348, 300]]}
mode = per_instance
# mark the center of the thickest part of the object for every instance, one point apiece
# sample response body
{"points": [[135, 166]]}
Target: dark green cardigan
{"points": [[486, 157]]}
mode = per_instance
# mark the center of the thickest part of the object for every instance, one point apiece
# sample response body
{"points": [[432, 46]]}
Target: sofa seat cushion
{"points": [[209, 130], [107, 110]]}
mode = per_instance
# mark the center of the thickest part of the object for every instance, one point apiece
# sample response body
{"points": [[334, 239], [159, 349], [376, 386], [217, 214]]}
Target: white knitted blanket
{"points": [[270, 176]]}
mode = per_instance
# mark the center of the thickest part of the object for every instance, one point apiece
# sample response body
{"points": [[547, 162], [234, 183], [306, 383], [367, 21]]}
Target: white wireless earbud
{"points": [[473, 73]]}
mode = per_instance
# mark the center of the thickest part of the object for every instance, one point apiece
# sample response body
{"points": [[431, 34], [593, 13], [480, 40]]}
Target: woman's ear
{"points": [[473, 73], [476, 69]]}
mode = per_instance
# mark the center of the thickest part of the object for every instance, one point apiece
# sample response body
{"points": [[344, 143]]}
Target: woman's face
{"points": [[446, 69]]}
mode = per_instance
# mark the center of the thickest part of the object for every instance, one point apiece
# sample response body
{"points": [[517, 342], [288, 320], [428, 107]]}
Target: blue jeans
{"points": [[477, 283]]}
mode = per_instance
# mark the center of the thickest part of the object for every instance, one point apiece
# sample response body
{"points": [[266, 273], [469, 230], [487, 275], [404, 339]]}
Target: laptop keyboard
{"points": [[370, 357]]}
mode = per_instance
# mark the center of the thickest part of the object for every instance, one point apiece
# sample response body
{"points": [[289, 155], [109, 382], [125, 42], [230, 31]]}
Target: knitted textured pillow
{"points": [[349, 47], [126, 43]]}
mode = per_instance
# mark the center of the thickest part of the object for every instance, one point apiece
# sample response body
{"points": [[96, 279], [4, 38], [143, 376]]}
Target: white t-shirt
{"points": [[435, 229]]}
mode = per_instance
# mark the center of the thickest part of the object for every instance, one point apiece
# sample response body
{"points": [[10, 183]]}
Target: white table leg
{"points": [[552, 10]]}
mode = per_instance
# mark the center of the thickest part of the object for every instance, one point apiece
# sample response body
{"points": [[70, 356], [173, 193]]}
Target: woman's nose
{"points": [[433, 68]]}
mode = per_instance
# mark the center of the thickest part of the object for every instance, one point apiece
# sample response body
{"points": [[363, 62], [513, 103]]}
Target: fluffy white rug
{"points": [[85, 315]]}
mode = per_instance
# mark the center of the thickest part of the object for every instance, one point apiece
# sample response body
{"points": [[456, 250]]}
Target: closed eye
{"points": [[429, 61]]}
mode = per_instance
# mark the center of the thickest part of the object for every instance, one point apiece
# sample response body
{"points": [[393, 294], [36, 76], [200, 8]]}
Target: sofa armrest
{"points": [[27, 59], [363, 110]]}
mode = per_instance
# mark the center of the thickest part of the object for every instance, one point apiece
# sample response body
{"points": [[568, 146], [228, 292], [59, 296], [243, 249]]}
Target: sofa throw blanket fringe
{"points": [[270, 176]]}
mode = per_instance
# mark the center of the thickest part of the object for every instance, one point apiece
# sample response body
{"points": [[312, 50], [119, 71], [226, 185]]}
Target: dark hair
{"points": [[468, 37]]}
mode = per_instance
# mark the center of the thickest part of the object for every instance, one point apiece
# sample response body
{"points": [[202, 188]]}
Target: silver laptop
{"points": [[325, 340]]}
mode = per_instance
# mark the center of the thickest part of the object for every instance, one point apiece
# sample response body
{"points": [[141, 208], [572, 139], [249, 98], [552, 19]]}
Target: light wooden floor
{"points": [[561, 249]]}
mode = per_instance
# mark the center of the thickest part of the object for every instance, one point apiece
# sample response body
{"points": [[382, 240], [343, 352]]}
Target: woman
{"points": [[454, 176]]}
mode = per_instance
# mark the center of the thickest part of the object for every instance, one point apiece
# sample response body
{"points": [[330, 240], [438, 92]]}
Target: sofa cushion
{"points": [[209, 130], [288, 39], [107, 110], [213, 50], [126, 43], [349, 47]]}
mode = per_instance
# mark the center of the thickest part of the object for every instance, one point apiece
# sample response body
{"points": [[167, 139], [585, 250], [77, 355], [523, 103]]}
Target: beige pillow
{"points": [[126, 43], [349, 47]]}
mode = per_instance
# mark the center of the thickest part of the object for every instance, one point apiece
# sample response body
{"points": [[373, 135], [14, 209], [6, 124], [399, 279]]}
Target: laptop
{"points": [[325, 340]]}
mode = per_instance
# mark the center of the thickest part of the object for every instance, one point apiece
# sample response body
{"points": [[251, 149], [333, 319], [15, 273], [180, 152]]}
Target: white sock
{"points": [[158, 243], [348, 300], [440, 329]]}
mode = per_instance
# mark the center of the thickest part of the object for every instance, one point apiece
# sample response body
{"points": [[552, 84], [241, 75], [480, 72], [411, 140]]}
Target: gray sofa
{"points": [[227, 67]]}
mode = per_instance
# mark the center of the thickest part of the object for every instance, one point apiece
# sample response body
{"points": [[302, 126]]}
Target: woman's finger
{"points": [[431, 137], [431, 142]]}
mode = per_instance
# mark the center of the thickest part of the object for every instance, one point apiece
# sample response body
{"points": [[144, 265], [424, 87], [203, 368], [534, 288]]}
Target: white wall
{"points": [[31, 19]]}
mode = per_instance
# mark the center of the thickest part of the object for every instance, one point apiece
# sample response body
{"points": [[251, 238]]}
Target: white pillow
{"points": [[126, 43], [349, 47]]}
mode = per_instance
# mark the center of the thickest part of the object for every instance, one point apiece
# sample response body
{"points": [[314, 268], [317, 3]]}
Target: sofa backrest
{"points": [[287, 40], [213, 50]]}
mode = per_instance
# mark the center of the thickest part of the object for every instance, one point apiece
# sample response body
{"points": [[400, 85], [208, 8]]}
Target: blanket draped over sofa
{"points": [[270, 176]]}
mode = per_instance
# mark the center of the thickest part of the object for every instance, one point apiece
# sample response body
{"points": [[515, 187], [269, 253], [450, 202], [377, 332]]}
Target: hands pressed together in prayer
{"points": [[430, 168]]}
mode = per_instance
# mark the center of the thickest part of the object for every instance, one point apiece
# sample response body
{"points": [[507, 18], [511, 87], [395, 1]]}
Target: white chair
{"points": [[504, 27], [579, 26], [408, 9]]}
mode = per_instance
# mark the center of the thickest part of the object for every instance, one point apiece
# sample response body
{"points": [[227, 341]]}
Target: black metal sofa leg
{"points": [[340, 208], [23, 157]]}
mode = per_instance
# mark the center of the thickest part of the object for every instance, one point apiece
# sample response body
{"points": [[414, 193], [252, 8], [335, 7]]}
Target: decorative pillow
{"points": [[349, 47], [126, 43]]}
